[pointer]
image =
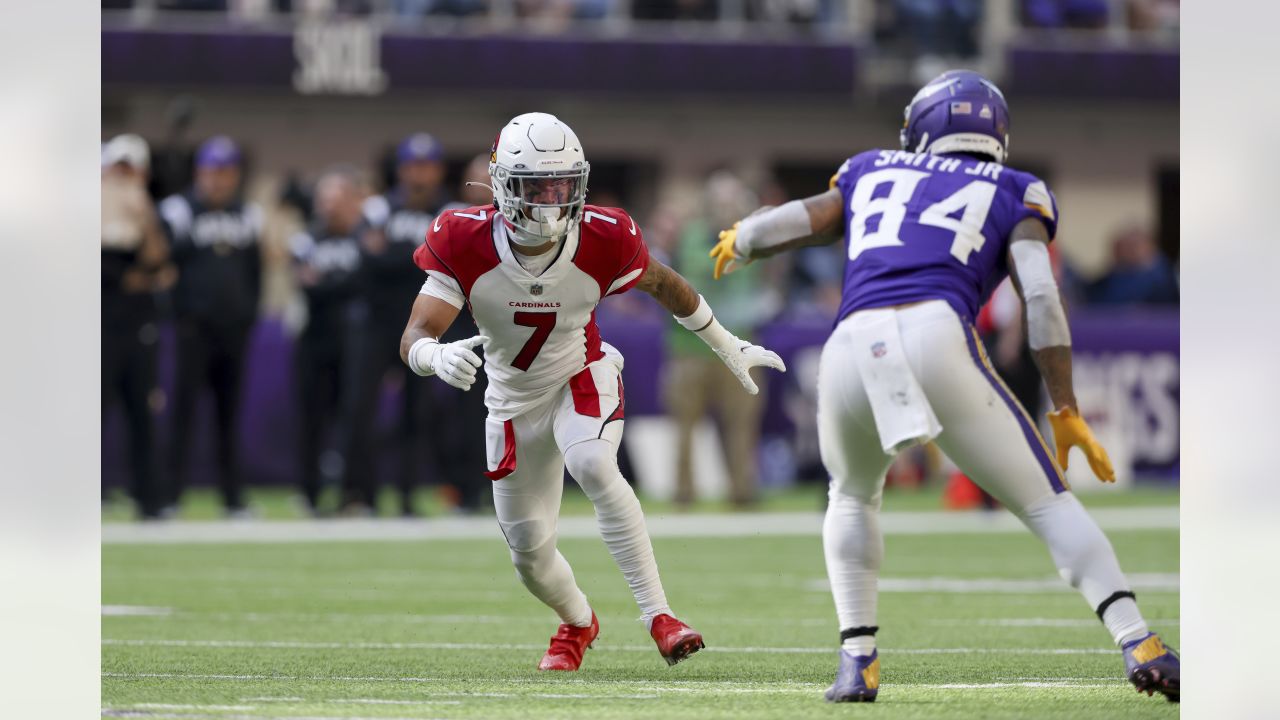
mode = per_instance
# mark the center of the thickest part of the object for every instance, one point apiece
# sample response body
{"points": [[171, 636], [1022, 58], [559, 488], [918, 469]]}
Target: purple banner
{"points": [[1094, 72], [355, 58]]}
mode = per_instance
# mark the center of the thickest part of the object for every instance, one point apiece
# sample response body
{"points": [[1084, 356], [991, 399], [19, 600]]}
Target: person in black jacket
{"points": [[214, 240], [134, 266], [395, 224], [326, 263]]}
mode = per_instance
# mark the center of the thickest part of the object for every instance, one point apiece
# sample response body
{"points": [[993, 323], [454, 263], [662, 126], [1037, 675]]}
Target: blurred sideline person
{"points": [[1139, 274], [395, 224], [533, 272], [930, 231], [326, 263], [696, 382], [213, 235], [134, 264]]}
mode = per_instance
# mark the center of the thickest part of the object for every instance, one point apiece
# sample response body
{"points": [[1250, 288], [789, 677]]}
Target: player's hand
{"points": [[1070, 430], [456, 364], [741, 356], [724, 253]]}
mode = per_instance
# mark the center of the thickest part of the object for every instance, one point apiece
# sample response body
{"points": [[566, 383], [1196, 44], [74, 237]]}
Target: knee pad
{"points": [[594, 465], [528, 534]]}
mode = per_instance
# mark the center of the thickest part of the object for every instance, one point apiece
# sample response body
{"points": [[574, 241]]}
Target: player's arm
{"points": [[690, 309], [420, 346], [1045, 326], [814, 220]]}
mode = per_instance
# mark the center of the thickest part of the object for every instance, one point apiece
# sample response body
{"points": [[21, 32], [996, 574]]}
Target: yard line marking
{"points": [[311, 645], [135, 611], [1150, 582], [1042, 622], [176, 706], [123, 712], [727, 525], [416, 619]]}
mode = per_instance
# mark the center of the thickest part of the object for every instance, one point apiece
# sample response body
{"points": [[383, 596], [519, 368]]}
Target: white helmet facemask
{"points": [[539, 178]]}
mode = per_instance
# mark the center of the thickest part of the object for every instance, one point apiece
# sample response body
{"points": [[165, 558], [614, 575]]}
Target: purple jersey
{"points": [[926, 227]]}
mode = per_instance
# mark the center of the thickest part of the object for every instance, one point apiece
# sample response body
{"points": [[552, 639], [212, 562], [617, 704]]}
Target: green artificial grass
{"points": [[443, 629]]}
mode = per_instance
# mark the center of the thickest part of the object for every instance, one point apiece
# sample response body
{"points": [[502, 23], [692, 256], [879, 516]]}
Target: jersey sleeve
{"points": [[1034, 199], [443, 287], [835, 179], [432, 255], [633, 256]]}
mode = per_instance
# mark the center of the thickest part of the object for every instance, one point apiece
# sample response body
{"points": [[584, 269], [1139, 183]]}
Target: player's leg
{"points": [[739, 415], [588, 429], [989, 435], [137, 384], [361, 379], [527, 503], [851, 537]]}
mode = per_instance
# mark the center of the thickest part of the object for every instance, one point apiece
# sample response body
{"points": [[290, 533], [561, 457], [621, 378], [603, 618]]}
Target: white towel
{"points": [[903, 414]]}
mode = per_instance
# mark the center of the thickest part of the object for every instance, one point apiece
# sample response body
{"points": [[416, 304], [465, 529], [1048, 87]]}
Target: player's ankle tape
{"points": [[1102, 607], [858, 632]]}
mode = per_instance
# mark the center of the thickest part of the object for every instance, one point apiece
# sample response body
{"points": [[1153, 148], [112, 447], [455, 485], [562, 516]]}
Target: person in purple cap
{"points": [[395, 224], [930, 231], [214, 239]]}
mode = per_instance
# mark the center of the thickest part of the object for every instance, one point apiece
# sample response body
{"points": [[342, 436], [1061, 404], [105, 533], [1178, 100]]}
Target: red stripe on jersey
{"points": [[592, 336], [610, 246], [460, 244], [508, 464], [586, 399]]}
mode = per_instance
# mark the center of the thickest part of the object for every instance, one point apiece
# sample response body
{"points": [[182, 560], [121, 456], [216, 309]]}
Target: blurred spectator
{"points": [[695, 379], [476, 189], [326, 260], [134, 267], [1139, 274], [942, 33], [674, 9], [422, 8], [1084, 14], [203, 5], [1154, 15], [395, 224], [213, 235]]}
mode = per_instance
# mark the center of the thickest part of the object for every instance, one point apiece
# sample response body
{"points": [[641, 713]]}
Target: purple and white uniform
{"points": [[923, 227], [930, 232]]}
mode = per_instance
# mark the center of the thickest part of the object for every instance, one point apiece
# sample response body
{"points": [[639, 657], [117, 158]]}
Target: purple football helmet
{"points": [[958, 112]]}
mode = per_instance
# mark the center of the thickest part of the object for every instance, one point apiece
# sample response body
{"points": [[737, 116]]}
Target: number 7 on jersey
{"points": [[542, 323]]}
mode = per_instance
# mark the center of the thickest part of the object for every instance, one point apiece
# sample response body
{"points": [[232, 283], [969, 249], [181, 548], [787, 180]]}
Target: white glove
{"points": [[453, 362], [740, 356], [737, 354]]}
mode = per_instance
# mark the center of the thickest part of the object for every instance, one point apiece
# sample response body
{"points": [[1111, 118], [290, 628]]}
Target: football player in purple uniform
{"points": [[930, 230]]}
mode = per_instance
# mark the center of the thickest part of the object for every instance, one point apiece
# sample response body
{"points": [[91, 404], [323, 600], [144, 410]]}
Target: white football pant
{"points": [[547, 439], [988, 435]]}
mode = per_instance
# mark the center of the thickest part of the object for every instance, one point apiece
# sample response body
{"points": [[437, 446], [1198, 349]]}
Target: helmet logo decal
{"points": [[985, 113], [966, 108]]}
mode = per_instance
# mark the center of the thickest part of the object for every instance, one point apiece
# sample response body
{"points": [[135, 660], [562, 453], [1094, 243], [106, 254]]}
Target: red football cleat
{"points": [[568, 645], [676, 641]]}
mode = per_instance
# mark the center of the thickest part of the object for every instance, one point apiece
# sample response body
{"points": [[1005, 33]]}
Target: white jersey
{"points": [[542, 328]]}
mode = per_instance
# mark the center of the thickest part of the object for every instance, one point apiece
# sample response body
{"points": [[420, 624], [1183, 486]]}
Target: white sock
{"points": [[1085, 559], [860, 646], [548, 576], [594, 466], [1124, 621], [854, 549]]}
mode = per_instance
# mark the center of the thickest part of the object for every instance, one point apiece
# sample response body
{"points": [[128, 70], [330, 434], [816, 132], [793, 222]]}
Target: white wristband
{"points": [[421, 356], [702, 322], [772, 227]]}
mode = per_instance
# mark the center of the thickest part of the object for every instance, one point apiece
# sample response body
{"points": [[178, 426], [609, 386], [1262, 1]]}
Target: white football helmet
{"points": [[539, 178]]}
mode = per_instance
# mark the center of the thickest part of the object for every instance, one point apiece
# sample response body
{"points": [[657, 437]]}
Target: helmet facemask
{"points": [[541, 206]]}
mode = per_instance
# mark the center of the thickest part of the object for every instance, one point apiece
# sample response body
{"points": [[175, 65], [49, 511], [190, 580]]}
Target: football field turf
{"points": [[973, 625]]}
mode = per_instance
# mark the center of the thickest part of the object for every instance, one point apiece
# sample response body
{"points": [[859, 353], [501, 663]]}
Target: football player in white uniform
{"points": [[532, 267]]}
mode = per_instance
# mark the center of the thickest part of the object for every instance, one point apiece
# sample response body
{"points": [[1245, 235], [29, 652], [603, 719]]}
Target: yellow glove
{"points": [[1069, 429], [724, 254]]}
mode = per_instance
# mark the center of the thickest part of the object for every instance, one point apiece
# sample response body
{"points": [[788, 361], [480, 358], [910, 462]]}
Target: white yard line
{"points": [[732, 525], [763, 650], [135, 611], [126, 713], [1150, 582]]}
